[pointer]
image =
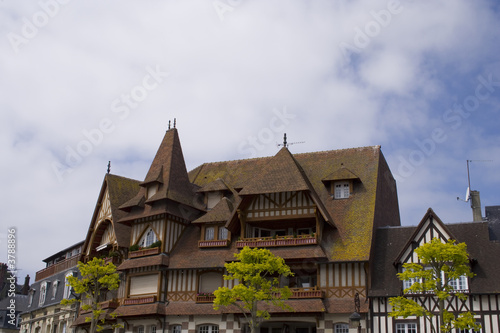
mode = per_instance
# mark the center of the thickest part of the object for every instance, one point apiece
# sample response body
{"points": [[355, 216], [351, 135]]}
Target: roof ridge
{"points": [[294, 154]]}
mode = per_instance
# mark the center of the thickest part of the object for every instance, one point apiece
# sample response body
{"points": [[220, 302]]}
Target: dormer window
{"points": [[148, 238], [152, 189], [213, 198], [341, 189]]}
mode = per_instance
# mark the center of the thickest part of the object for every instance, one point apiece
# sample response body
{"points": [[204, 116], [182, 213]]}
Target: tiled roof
{"points": [[345, 305], [168, 169], [140, 310], [372, 204], [216, 185], [340, 174], [390, 242], [157, 260], [220, 213]]}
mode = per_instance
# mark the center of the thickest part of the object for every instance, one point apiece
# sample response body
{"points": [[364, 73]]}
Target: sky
{"points": [[87, 82]]}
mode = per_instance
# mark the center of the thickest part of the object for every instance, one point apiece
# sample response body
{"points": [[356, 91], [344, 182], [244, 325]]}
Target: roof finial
{"points": [[109, 166], [284, 141], [286, 144], [174, 122], [169, 124]]}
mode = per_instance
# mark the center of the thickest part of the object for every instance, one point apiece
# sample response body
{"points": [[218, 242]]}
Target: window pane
{"points": [[341, 328], [176, 329], [222, 233], [209, 233]]}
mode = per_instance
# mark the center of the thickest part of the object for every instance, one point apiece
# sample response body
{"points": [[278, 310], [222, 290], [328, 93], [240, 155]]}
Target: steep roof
{"points": [[168, 171], [373, 204], [390, 242]]}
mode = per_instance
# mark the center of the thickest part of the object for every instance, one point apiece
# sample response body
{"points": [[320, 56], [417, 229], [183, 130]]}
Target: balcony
{"points": [[56, 268], [205, 298], [213, 243], [277, 241], [139, 300], [144, 252], [312, 292]]}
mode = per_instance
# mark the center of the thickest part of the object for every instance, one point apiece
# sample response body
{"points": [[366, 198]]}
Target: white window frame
{"points": [[341, 328], [223, 233], [459, 282], [208, 328], [67, 287], [342, 190], [148, 238], [176, 329], [210, 233], [43, 293], [55, 284], [406, 328]]}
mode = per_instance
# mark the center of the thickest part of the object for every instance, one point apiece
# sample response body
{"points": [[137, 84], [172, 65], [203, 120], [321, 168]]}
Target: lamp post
{"points": [[355, 317]]}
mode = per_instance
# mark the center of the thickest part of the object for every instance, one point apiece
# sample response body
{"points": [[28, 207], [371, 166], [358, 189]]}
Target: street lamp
{"points": [[355, 317]]}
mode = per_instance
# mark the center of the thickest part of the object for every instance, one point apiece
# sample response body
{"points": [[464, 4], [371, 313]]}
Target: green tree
{"points": [[97, 278], [258, 272], [440, 263]]}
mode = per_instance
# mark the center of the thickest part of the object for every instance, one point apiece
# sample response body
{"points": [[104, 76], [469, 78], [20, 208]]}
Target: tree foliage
{"points": [[258, 272], [440, 263], [97, 278]]}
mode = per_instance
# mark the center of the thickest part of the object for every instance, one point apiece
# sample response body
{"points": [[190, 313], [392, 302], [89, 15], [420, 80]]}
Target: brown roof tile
{"points": [[220, 213], [140, 310], [157, 260]]}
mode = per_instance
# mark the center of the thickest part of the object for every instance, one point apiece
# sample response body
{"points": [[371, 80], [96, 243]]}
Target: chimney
{"points": [[475, 204], [26, 286]]}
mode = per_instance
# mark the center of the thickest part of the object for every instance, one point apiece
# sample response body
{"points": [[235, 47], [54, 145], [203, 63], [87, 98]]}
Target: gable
{"points": [[281, 205], [430, 227]]}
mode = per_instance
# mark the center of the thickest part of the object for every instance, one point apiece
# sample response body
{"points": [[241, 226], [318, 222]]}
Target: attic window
{"points": [[341, 190], [152, 189], [213, 198]]}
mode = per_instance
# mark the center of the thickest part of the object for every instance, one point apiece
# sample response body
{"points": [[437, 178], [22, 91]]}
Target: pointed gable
{"points": [[281, 174], [429, 227], [115, 190], [340, 174], [220, 213]]}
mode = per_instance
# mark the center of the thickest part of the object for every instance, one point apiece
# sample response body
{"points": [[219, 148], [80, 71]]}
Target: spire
{"points": [[169, 169]]}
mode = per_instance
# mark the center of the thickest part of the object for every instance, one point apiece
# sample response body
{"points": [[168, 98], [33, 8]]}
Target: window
{"points": [[471, 330], [30, 297], [406, 328], [140, 329], [260, 232], [143, 285], [459, 284], [209, 282], [209, 233], [43, 293], [63, 329], [341, 190], [67, 287], [222, 233], [153, 329], [341, 328], [208, 329], [176, 329], [148, 238], [54, 288]]}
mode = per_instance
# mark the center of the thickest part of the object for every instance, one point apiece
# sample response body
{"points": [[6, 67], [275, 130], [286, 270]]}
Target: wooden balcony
{"points": [[56, 268], [205, 298], [144, 252], [213, 243], [139, 300], [312, 292], [277, 241]]}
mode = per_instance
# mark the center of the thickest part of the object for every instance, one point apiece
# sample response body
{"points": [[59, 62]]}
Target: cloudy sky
{"points": [[87, 82]]}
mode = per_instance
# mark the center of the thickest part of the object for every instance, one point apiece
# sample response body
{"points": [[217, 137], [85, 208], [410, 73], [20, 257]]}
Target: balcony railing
{"points": [[312, 292], [139, 300], [277, 241], [56, 268], [205, 298], [213, 243], [144, 252]]}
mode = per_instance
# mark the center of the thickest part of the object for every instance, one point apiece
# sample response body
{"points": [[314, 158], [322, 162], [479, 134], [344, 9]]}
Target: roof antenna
{"points": [[109, 166], [467, 193], [286, 144]]}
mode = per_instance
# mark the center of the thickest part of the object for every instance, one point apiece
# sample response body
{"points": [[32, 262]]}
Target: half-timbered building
{"points": [[171, 234], [395, 246]]}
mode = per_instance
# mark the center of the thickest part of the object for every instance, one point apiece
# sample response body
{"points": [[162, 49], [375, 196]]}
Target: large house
{"points": [[329, 214]]}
